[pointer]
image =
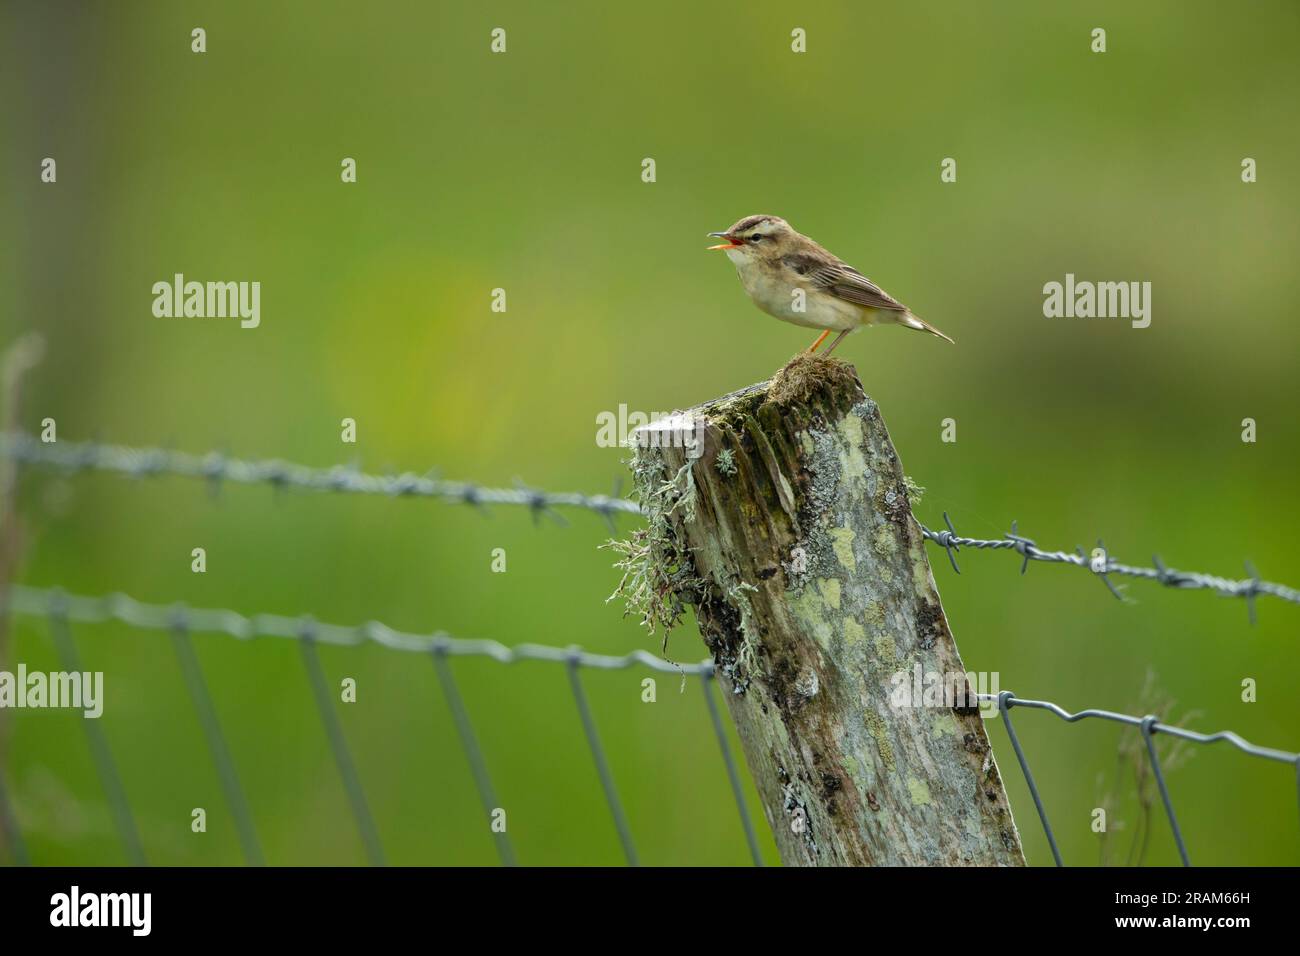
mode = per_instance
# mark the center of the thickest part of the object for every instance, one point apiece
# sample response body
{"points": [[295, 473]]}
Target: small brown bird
{"points": [[793, 278]]}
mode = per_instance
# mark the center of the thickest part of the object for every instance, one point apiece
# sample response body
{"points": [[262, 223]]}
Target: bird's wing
{"points": [[842, 281]]}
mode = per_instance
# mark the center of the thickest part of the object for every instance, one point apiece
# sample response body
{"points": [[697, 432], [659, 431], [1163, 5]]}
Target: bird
{"points": [[790, 276]]}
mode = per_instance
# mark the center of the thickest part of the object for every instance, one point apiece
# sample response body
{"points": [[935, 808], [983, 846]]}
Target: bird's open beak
{"points": [[723, 245]]}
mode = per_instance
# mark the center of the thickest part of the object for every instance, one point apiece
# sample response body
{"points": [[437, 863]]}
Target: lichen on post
{"points": [[784, 523]]}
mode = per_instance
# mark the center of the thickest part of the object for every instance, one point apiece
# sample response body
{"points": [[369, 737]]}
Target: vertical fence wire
{"points": [[751, 838], [1297, 782], [1004, 706], [13, 836], [60, 609], [211, 724], [598, 755], [473, 753], [1148, 737], [342, 757], [101, 753]]}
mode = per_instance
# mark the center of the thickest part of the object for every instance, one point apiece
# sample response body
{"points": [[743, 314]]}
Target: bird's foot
{"points": [[820, 339]]}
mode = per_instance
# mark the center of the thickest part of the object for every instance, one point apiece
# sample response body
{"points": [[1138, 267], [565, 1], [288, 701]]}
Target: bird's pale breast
{"points": [[774, 293]]}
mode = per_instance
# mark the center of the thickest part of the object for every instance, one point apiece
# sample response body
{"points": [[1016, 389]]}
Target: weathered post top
{"points": [[782, 518]]}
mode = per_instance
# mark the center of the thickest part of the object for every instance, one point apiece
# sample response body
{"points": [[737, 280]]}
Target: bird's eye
{"points": [[755, 237]]}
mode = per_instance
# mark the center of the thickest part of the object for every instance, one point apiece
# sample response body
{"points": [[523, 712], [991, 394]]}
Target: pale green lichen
{"points": [[944, 724], [853, 768], [810, 608], [853, 632], [830, 591], [726, 463], [886, 649], [875, 615], [852, 462], [880, 733], [920, 569], [680, 489], [842, 543], [653, 571], [883, 541], [914, 491], [919, 792], [747, 658]]}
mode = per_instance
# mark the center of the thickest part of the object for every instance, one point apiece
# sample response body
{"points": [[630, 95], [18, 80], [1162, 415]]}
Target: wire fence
{"points": [[1149, 726], [217, 469], [1100, 563], [62, 609], [180, 621]]}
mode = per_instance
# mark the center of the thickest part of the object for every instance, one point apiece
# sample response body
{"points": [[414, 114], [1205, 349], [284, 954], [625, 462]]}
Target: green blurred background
{"points": [[522, 171]]}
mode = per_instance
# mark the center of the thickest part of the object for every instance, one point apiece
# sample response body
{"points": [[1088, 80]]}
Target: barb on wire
{"points": [[23, 599], [216, 468], [1101, 564]]}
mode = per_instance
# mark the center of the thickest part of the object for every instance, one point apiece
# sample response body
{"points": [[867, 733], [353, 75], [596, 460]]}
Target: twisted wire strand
{"points": [[217, 468], [1104, 565], [62, 607], [1149, 726], [46, 602], [24, 599], [1156, 727]]}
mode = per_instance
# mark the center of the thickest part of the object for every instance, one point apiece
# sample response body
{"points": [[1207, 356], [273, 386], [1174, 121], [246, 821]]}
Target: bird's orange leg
{"points": [[838, 339], [820, 339]]}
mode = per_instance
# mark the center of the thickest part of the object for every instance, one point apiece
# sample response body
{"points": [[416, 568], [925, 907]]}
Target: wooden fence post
{"points": [[780, 515]]}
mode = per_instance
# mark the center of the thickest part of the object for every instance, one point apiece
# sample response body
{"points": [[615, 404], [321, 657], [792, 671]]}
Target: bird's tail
{"points": [[916, 322]]}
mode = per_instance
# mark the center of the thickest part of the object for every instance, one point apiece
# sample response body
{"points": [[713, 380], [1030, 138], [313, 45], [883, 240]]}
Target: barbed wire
{"points": [[1103, 565], [216, 468]]}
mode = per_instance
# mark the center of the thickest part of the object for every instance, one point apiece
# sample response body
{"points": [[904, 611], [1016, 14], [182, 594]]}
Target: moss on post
{"points": [[784, 523]]}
